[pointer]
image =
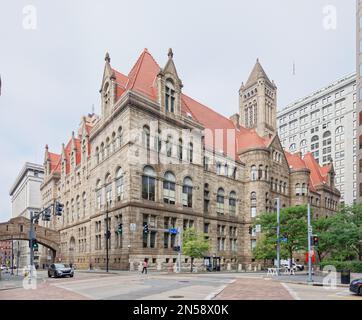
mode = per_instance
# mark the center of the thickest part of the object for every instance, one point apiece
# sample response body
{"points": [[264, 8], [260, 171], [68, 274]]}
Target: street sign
{"points": [[258, 228], [284, 240], [132, 226], [310, 230], [173, 230]]}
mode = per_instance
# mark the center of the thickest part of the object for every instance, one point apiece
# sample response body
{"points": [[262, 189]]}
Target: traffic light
{"points": [[59, 208], [145, 228], [315, 240], [34, 244], [250, 230], [120, 228], [46, 214]]}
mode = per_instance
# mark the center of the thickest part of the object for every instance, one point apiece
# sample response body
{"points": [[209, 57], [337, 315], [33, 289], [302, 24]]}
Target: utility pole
{"points": [[12, 256], [17, 259], [278, 235], [310, 231], [31, 237]]}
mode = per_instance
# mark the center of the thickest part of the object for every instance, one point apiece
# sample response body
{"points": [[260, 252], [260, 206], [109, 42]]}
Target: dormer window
{"points": [[169, 97]]}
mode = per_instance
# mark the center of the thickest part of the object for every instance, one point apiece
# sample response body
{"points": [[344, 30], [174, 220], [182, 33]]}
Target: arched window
{"points": [[339, 130], [253, 204], [99, 194], [190, 152], [169, 97], [218, 168], [119, 184], [108, 147], [297, 189], [327, 134], [266, 173], [303, 143], [304, 189], [254, 173], [169, 187], [280, 186], [315, 138], [232, 203], [119, 137], [97, 155], [72, 209], [206, 197], [113, 142], [77, 204], [148, 183], [146, 137], [108, 183], [260, 172], [292, 147], [102, 152], [84, 202], [180, 149], [187, 193], [272, 183], [169, 146], [220, 198], [285, 188]]}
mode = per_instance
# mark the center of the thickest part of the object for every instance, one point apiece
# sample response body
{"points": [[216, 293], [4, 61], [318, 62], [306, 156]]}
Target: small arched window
{"points": [[119, 137], [253, 204], [260, 172], [98, 194], [254, 173], [327, 134], [169, 187], [108, 183], [220, 198], [297, 189], [169, 146], [180, 149], [146, 137], [148, 183], [315, 138], [292, 147], [339, 130], [232, 203], [187, 192], [119, 184], [191, 152], [303, 143], [304, 189], [169, 97]]}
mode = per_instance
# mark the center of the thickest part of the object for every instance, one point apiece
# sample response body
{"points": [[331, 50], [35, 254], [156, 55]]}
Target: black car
{"points": [[356, 286], [60, 270]]}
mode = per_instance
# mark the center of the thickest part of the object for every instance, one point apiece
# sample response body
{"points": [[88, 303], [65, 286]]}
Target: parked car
{"points": [[356, 286], [3, 267], [58, 270]]}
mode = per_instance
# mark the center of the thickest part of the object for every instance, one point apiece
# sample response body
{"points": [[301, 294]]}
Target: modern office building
{"points": [[26, 196], [325, 123], [359, 93]]}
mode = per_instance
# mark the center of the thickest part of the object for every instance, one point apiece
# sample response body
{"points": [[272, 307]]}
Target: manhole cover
{"points": [[176, 297]]}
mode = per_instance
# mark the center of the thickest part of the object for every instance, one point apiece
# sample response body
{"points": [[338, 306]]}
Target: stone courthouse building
{"points": [[156, 156]]}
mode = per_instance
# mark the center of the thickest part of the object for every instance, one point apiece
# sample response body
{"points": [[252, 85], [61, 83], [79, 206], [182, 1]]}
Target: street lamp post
{"points": [[310, 231], [12, 257], [278, 236], [107, 236]]}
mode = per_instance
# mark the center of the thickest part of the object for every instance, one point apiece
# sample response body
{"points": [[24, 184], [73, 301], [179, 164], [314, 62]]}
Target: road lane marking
{"points": [[292, 292]]}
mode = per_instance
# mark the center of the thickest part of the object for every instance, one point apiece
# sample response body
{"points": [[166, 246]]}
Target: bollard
{"points": [[259, 267], [140, 267], [131, 266], [228, 267], [250, 267], [159, 266], [240, 267]]}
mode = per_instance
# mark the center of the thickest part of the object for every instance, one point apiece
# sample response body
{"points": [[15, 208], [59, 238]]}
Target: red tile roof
{"points": [[295, 161], [319, 175]]}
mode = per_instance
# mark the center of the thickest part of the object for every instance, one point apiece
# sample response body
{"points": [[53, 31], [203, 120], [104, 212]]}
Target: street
{"points": [[162, 286]]}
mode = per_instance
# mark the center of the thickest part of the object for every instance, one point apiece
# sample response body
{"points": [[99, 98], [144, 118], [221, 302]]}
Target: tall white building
{"points": [[25, 196], [325, 124]]}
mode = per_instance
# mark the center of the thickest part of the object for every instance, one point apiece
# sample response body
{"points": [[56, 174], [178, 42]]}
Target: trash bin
{"points": [[345, 276]]}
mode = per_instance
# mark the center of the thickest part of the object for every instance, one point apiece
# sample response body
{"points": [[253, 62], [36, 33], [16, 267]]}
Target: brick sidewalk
{"points": [[44, 291], [254, 289]]}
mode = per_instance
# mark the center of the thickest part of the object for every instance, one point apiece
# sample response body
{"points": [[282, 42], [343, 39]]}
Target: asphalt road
{"points": [[156, 286]]}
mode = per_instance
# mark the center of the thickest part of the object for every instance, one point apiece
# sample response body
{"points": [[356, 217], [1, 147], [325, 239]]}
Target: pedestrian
{"points": [[145, 266]]}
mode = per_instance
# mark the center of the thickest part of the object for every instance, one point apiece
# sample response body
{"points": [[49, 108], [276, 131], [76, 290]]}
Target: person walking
{"points": [[145, 266]]}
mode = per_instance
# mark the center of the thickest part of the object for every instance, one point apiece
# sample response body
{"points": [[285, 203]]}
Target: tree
{"points": [[266, 249], [195, 244], [293, 226]]}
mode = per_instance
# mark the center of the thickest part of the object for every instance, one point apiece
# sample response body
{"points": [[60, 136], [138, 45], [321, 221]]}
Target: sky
{"points": [[52, 58]]}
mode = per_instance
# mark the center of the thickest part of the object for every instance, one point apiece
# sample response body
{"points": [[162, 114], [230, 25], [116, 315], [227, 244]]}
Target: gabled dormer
{"points": [[169, 87], [108, 88]]}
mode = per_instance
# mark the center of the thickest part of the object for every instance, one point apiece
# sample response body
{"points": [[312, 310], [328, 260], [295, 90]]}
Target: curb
{"points": [[314, 284], [212, 295]]}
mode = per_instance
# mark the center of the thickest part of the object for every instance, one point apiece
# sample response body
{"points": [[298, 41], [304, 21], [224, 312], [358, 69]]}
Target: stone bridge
{"points": [[18, 229]]}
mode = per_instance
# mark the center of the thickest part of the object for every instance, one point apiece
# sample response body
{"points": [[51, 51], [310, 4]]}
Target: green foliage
{"points": [[293, 225], [353, 266], [195, 244]]}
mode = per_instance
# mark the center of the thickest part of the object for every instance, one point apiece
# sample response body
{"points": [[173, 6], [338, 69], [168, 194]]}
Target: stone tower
{"points": [[258, 101]]}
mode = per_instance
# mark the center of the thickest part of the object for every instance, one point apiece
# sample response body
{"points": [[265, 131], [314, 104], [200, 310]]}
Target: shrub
{"points": [[353, 266]]}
